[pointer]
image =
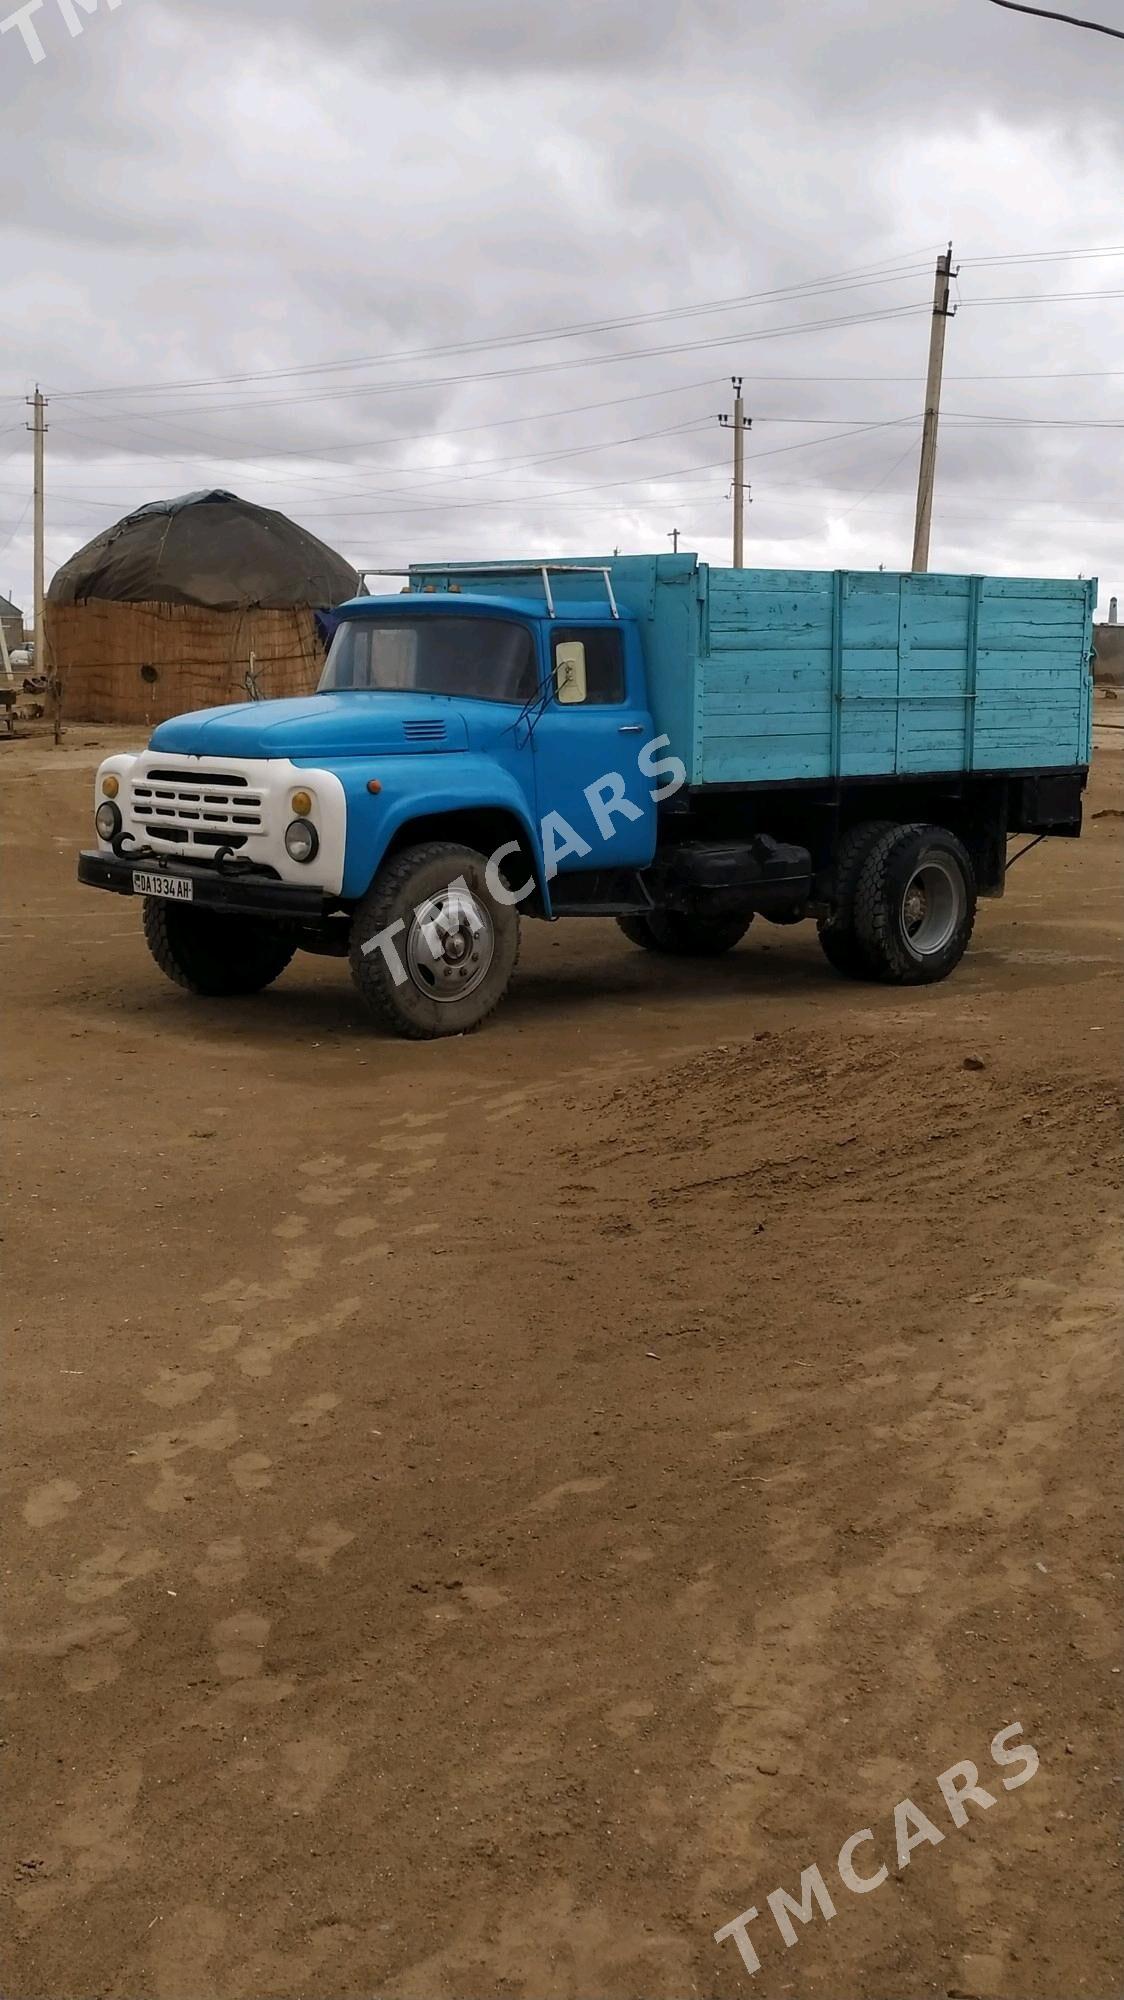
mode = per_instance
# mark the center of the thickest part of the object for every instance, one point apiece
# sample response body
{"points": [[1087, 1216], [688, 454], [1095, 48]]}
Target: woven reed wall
{"points": [[146, 662], [1108, 668]]}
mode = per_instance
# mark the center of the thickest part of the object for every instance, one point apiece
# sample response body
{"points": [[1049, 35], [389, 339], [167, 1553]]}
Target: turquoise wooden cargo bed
{"points": [[763, 677]]}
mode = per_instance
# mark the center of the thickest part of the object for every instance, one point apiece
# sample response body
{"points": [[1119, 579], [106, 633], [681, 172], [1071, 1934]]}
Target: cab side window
{"points": [[604, 664]]}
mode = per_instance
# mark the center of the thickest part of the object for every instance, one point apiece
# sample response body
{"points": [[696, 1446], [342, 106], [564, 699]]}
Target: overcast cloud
{"points": [[194, 194]]}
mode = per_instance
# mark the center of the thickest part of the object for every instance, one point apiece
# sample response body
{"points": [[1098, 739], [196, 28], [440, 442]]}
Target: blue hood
{"points": [[319, 725]]}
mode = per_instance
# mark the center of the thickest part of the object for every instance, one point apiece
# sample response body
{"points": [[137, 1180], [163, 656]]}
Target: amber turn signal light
{"points": [[373, 785]]}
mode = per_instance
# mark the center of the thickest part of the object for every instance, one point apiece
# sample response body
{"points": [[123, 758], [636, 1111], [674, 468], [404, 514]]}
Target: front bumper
{"points": [[244, 893]]}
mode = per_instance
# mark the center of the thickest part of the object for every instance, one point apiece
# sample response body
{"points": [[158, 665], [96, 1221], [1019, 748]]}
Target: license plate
{"points": [[171, 888]]}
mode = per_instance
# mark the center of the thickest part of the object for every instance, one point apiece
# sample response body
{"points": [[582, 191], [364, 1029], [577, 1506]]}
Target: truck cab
{"points": [[680, 748], [512, 713]]}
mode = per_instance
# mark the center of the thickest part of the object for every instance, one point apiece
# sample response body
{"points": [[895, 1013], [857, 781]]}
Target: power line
{"points": [[1048, 256], [481, 468], [888, 474], [634, 479], [1071, 20], [854, 279], [1044, 375], [464, 468], [1037, 423], [857, 277], [645, 395], [562, 494], [5, 546], [717, 497], [793, 329], [1037, 298], [790, 330], [240, 448]]}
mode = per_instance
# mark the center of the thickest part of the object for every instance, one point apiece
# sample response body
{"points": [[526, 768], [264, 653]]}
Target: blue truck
{"points": [[679, 747]]}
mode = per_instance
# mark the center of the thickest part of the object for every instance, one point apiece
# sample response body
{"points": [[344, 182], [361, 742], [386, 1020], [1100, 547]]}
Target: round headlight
{"points": [[302, 842], [111, 786], [302, 804], [107, 819]]}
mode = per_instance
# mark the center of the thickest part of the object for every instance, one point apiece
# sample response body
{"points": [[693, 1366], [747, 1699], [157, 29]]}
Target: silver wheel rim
{"points": [[451, 945], [932, 907]]}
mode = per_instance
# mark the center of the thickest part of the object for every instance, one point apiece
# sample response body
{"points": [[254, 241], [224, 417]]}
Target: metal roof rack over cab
{"points": [[459, 571]]}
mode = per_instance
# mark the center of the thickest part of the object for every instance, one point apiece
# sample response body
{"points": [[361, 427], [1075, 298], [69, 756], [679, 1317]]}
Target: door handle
{"points": [[631, 729]]}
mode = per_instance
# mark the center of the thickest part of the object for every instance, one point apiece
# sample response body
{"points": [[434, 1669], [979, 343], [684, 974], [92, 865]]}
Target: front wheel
{"points": [[212, 954], [677, 936], [915, 905], [432, 949]]}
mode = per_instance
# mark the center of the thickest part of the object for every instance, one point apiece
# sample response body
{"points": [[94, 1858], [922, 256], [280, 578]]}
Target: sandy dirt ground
{"points": [[481, 1515]]}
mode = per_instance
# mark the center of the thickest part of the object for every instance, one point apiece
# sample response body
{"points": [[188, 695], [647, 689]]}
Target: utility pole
{"points": [[942, 313], [673, 538], [740, 424], [38, 429]]}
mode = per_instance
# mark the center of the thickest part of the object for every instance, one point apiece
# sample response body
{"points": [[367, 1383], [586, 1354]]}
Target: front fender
{"points": [[420, 788], [118, 767]]}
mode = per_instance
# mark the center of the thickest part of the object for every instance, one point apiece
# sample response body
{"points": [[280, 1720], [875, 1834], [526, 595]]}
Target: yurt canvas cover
{"points": [[190, 603], [211, 550]]}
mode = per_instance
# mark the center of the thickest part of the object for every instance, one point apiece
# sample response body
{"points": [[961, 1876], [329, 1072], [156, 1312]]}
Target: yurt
{"points": [[189, 603]]}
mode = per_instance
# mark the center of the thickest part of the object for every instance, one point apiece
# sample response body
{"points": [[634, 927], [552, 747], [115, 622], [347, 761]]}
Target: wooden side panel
{"points": [[809, 674], [934, 672], [765, 693], [1032, 674]]}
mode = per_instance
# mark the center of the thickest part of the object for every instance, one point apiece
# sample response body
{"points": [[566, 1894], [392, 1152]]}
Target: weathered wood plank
{"points": [[1073, 589]]}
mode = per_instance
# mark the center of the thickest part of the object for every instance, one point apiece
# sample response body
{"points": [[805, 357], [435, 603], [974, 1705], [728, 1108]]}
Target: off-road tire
{"points": [[409, 880], [636, 930], [902, 859], [674, 935], [214, 955], [836, 933]]}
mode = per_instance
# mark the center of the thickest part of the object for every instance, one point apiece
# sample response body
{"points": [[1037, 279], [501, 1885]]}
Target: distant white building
{"points": [[12, 621]]}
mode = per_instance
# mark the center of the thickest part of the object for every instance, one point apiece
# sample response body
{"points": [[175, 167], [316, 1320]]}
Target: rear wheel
{"points": [[678, 936], [838, 941], [915, 905], [212, 954], [432, 950]]}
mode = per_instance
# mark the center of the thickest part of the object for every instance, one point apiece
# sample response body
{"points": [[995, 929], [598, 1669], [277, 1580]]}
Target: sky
{"points": [[470, 278]]}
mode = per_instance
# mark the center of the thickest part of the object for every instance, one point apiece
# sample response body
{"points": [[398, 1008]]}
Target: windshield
{"points": [[487, 658]]}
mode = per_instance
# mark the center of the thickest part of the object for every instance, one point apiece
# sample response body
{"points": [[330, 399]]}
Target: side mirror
{"points": [[569, 671]]}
